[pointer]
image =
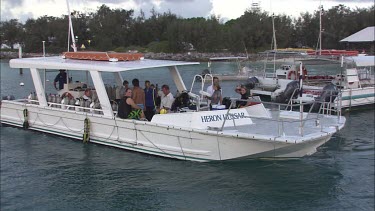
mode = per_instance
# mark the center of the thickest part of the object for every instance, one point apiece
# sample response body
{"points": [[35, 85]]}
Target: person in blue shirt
{"points": [[61, 78], [150, 96]]}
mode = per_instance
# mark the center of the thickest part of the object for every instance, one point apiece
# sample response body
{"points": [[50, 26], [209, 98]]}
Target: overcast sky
{"points": [[226, 9]]}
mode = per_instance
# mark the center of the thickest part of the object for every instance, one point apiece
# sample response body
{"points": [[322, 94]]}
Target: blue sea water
{"points": [[46, 172]]}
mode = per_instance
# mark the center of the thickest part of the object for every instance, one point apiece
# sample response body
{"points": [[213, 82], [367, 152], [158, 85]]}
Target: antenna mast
{"points": [[71, 30], [274, 33], [320, 29]]}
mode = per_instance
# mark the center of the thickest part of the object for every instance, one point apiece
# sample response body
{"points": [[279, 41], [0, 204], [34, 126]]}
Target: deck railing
{"points": [[301, 118], [63, 106]]}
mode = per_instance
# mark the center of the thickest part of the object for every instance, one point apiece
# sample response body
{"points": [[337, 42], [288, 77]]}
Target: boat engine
{"points": [[251, 82], [289, 92], [329, 93]]}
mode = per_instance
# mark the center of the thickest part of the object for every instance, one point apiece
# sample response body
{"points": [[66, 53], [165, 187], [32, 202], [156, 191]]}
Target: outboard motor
{"points": [[329, 93], [288, 92], [204, 72], [251, 82]]}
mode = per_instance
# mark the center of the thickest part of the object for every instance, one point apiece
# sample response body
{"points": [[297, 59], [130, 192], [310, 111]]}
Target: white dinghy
{"points": [[198, 135]]}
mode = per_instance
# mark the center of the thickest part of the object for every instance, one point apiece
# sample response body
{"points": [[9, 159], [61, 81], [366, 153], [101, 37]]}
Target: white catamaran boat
{"points": [[240, 74], [198, 135], [354, 86]]}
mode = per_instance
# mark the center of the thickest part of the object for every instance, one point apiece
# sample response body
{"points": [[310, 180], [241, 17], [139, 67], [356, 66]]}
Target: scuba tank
{"points": [[77, 103]]}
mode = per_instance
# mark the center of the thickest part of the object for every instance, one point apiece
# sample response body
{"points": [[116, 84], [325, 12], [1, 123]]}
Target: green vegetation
{"points": [[117, 29]]}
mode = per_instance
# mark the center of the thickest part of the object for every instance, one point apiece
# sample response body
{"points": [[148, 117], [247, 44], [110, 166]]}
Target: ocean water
{"points": [[46, 172]]}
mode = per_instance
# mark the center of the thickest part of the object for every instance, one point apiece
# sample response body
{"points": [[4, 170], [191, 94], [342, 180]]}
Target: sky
{"points": [[225, 9]]}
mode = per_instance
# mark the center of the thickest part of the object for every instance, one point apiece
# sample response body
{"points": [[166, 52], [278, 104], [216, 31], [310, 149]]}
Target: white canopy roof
{"points": [[365, 35], [57, 62], [363, 61]]}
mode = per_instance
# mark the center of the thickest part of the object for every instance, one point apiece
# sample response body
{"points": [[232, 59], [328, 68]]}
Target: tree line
{"points": [[120, 30]]}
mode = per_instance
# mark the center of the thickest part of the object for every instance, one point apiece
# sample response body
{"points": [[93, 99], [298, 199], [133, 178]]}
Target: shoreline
{"points": [[189, 56]]}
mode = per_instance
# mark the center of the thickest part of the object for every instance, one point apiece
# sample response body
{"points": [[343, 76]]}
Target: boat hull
{"points": [[155, 139], [357, 97]]}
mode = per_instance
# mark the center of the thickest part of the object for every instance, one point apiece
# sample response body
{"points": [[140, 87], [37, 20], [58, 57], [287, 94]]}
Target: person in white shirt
{"points": [[210, 88], [167, 99]]}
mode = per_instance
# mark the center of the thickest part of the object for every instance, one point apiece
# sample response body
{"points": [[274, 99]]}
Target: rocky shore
{"points": [[190, 56]]}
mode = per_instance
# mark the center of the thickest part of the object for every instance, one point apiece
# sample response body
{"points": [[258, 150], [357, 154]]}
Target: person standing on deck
{"points": [[61, 78], [167, 99], [120, 91], [150, 96], [138, 94]]}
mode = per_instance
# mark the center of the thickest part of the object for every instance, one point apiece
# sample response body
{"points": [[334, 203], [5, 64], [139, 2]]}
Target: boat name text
{"points": [[215, 118]]}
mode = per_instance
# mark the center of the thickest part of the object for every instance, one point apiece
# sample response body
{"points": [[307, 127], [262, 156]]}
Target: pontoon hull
{"points": [[357, 97]]}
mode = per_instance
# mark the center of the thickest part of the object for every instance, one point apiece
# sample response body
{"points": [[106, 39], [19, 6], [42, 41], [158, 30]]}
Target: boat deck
{"points": [[287, 125]]}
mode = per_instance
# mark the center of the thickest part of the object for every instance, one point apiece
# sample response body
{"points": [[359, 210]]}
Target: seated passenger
{"points": [[216, 98], [87, 95], [127, 109], [242, 90], [166, 99]]}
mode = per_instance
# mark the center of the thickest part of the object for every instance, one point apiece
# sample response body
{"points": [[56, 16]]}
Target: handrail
{"points": [[61, 106], [302, 120]]}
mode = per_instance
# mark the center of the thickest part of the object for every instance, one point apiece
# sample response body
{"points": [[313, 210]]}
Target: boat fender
{"points": [[26, 119], [86, 130]]}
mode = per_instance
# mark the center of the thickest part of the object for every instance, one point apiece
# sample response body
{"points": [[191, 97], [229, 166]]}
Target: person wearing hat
{"points": [[61, 78]]}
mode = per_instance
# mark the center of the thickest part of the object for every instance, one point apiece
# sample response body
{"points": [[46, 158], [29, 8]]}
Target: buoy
{"points": [[22, 84]]}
